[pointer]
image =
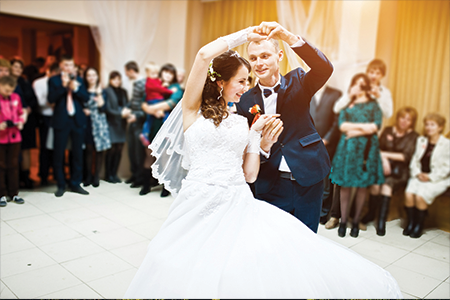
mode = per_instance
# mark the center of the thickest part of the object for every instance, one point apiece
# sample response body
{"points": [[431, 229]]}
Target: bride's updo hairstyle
{"points": [[224, 67]]}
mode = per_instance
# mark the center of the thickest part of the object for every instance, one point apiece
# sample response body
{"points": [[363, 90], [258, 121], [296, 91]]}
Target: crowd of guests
{"points": [[74, 112], [82, 126], [366, 162]]}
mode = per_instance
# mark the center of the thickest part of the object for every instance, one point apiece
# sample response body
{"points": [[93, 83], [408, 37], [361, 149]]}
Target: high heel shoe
{"points": [[342, 229], [355, 230]]}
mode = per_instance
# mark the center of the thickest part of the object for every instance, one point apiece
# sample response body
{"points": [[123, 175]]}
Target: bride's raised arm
{"points": [[194, 87]]}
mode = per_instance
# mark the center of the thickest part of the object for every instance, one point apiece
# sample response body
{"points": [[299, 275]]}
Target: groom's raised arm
{"points": [[321, 67]]}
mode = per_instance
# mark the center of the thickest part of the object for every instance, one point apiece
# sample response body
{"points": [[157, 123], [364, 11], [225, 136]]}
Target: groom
{"points": [[294, 165]]}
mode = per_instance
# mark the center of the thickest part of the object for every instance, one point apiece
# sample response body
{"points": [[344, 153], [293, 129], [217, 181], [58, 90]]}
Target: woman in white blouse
{"points": [[430, 173]]}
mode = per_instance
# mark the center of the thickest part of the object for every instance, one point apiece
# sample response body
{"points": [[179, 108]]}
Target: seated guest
{"points": [[397, 147], [429, 173], [357, 161], [69, 96], [117, 113]]}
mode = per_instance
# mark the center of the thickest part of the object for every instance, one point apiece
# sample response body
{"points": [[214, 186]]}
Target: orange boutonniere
{"points": [[256, 111]]}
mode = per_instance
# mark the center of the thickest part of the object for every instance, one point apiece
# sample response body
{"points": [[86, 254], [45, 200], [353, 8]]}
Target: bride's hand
{"points": [[263, 120], [254, 35]]}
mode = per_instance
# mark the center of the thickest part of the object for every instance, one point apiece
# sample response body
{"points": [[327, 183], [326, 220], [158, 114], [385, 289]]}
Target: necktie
{"points": [[268, 92], [69, 101]]}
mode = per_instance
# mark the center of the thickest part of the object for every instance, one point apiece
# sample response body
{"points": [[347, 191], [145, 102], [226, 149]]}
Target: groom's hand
{"points": [[273, 30], [270, 134], [254, 36]]}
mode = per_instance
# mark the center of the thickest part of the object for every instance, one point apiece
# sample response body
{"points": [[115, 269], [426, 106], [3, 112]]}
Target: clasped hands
{"points": [[271, 30], [271, 127]]}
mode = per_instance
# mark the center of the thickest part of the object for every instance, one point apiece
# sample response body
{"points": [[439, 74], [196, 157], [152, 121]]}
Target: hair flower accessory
{"points": [[256, 111], [212, 74]]}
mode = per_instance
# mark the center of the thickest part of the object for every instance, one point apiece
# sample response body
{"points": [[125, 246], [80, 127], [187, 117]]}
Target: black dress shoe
{"points": [[136, 184], [59, 192], [130, 180], [96, 181], [164, 193], [323, 220], [116, 179], [110, 179], [144, 191], [88, 181], [78, 189]]}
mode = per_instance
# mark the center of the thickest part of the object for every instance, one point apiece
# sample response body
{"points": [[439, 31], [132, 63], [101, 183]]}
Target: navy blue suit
{"points": [[299, 142], [65, 126]]}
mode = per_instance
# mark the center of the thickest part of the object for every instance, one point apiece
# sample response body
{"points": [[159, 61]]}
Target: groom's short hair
{"points": [[273, 41]]}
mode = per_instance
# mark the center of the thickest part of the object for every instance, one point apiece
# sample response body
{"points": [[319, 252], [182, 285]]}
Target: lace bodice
{"points": [[215, 153]]}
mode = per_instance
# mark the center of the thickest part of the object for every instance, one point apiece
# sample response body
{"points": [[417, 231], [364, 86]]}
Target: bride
{"points": [[218, 241]]}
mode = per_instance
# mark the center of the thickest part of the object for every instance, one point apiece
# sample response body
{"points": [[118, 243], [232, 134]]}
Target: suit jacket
{"points": [[299, 142], [439, 162], [325, 120], [135, 103], [57, 94], [117, 124]]}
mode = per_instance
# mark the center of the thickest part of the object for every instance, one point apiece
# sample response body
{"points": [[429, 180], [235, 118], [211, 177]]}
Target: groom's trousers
{"points": [[305, 203]]}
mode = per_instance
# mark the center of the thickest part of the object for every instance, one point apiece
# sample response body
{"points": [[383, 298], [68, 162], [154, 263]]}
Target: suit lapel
{"points": [[281, 91]]}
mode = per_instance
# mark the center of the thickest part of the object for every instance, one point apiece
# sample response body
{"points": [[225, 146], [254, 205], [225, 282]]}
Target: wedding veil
{"points": [[172, 162]]}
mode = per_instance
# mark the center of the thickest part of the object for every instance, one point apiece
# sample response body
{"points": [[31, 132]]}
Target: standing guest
{"points": [[154, 93], [32, 71], [69, 95], [397, 144], [97, 138], [321, 110], [429, 171], [11, 122], [357, 161], [168, 75], [29, 128], [5, 67], [376, 70], [136, 152], [40, 87], [117, 113]]}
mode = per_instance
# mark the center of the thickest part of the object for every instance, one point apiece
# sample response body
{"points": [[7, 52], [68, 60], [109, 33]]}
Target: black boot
{"points": [[418, 224], [342, 229], [146, 182], [355, 230], [25, 178], [382, 216], [410, 214], [115, 167], [109, 167], [374, 201]]}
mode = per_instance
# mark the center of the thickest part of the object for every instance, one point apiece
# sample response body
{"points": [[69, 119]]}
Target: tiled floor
{"points": [[90, 246]]}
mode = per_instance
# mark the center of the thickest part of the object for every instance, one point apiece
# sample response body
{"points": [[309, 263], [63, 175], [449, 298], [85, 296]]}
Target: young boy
{"points": [[11, 122], [155, 93], [376, 70]]}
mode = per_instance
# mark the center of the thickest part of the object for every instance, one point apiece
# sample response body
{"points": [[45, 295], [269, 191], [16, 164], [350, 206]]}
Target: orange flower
{"points": [[256, 111]]}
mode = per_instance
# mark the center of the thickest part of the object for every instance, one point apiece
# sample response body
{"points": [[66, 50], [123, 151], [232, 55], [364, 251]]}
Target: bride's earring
{"points": [[221, 90]]}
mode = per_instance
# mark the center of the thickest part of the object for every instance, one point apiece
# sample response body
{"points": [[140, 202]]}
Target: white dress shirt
{"points": [[40, 87]]}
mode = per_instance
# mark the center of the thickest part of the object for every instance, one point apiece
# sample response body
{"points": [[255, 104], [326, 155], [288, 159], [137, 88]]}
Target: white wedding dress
{"points": [[220, 242]]}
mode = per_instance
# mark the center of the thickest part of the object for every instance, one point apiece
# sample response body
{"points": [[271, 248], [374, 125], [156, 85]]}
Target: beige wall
{"points": [[169, 40]]}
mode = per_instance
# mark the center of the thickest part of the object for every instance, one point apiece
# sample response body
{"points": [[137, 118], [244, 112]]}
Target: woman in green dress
{"points": [[357, 162]]}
